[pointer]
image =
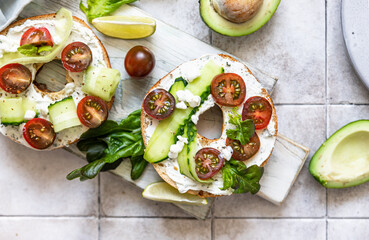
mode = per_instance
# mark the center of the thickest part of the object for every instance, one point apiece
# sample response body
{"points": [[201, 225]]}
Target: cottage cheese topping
{"points": [[267, 136], [176, 148], [10, 43], [29, 114], [226, 152], [187, 96], [181, 105], [189, 72], [209, 103]]}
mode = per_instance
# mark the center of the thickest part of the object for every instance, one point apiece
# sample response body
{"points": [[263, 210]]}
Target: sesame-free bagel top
{"points": [[169, 168]]}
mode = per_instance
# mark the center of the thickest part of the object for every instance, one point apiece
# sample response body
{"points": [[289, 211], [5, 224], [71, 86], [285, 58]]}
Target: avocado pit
{"points": [[237, 11]]}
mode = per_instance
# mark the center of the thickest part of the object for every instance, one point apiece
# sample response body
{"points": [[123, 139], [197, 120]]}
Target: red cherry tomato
{"points": [[92, 111], [259, 110], [76, 57], [244, 152], [39, 133], [208, 162], [15, 78], [37, 36], [228, 89], [139, 61], [159, 104]]}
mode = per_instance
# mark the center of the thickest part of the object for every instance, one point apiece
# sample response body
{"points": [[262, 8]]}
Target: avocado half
{"points": [[343, 160], [221, 25]]}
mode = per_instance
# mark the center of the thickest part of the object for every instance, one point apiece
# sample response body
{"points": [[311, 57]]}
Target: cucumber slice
{"points": [[11, 111], [29, 104], [63, 114], [101, 82], [179, 84], [202, 83], [159, 145], [188, 163], [182, 159], [64, 25]]}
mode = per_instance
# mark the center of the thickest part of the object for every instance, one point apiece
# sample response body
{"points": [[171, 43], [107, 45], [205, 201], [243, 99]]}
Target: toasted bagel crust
{"points": [[163, 173], [75, 19]]}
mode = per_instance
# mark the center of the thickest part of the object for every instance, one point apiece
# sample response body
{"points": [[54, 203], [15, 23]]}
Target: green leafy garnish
{"points": [[28, 50], [45, 48], [241, 178], [244, 129], [99, 8], [32, 50], [107, 146]]}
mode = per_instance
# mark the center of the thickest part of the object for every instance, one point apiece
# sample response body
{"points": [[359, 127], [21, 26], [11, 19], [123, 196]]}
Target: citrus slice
{"points": [[163, 192], [126, 27]]}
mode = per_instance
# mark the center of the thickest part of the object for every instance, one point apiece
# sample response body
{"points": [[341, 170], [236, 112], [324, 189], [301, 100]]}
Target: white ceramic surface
{"points": [[355, 22]]}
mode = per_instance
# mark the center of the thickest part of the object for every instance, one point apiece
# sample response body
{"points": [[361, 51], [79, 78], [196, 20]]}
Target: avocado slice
{"points": [[343, 160], [221, 25]]}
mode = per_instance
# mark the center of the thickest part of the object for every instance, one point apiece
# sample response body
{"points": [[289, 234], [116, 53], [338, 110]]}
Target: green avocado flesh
{"points": [[343, 160], [225, 27]]}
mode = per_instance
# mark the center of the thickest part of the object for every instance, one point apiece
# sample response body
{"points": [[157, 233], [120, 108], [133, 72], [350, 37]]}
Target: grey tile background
{"points": [[317, 93]]}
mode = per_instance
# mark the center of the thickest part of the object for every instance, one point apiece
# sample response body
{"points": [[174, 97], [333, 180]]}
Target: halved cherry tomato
{"points": [[37, 36], [228, 89], [92, 111], [208, 162], [259, 110], [159, 104], [39, 133], [15, 78], [244, 152], [76, 57]]}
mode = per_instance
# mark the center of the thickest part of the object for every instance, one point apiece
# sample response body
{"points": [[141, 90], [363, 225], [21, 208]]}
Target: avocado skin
{"points": [[253, 24], [315, 160]]}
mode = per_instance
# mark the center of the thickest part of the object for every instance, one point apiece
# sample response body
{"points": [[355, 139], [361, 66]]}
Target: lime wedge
{"points": [[126, 27], [163, 192]]}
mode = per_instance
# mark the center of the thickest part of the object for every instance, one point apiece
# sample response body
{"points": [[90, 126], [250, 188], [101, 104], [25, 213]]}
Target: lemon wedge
{"points": [[163, 192], [125, 27]]}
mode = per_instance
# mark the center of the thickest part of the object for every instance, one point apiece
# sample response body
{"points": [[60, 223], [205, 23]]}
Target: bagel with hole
{"points": [[185, 159], [30, 113]]}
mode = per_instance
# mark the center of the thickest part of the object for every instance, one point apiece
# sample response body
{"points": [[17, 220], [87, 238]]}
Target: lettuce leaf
{"points": [[100, 8], [28, 50]]}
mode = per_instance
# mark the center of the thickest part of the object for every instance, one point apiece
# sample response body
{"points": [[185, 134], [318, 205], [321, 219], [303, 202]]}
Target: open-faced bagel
{"points": [[253, 88], [80, 32]]}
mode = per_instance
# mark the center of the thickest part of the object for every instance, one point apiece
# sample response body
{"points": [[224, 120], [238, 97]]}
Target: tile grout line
{"points": [[99, 208], [212, 207], [326, 103], [179, 218]]}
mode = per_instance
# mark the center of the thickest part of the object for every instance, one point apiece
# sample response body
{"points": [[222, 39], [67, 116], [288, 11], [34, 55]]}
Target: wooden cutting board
{"points": [[171, 48]]}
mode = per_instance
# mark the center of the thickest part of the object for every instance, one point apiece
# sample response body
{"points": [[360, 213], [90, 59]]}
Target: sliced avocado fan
{"points": [[343, 160], [225, 27]]}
